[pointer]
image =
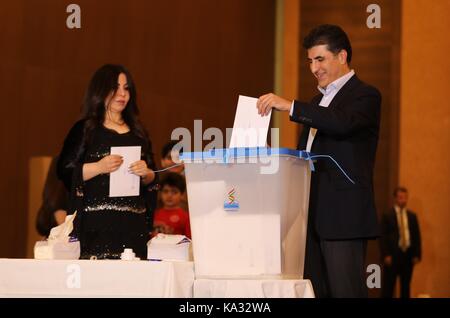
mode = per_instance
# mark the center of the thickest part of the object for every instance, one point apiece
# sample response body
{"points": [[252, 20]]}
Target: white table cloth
{"points": [[111, 278], [253, 288], [99, 278]]}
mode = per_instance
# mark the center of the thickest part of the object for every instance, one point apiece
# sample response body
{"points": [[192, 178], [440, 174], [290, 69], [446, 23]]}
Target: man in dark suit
{"points": [[400, 245], [343, 121]]}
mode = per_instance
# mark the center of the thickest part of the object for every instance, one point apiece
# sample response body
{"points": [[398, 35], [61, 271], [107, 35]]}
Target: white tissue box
{"points": [[169, 247], [57, 250], [59, 244]]}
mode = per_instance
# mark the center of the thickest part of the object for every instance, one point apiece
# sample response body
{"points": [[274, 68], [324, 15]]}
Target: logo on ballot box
{"points": [[231, 204]]}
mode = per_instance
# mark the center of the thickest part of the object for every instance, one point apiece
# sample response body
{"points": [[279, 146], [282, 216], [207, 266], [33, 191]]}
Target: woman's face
{"points": [[116, 102]]}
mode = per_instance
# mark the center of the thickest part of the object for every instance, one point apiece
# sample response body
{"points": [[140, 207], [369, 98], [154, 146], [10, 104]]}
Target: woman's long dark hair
{"points": [[105, 81]]}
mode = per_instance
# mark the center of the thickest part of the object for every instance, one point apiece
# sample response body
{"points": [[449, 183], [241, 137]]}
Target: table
{"points": [[253, 288], [115, 278], [86, 278]]}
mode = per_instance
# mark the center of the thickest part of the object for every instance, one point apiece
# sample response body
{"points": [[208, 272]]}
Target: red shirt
{"points": [[174, 221]]}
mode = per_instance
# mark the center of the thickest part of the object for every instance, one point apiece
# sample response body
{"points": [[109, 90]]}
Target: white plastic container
{"points": [[128, 255], [263, 231]]}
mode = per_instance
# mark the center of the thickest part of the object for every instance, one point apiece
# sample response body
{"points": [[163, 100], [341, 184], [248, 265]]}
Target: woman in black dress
{"points": [[106, 225]]}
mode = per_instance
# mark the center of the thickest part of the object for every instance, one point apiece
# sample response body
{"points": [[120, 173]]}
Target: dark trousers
{"points": [[336, 268], [401, 266]]}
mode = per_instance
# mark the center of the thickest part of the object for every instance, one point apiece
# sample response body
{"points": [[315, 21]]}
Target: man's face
{"points": [[325, 65], [401, 199]]}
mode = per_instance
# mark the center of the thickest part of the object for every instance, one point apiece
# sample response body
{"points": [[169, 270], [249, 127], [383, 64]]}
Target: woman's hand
{"points": [[140, 168], [109, 163]]}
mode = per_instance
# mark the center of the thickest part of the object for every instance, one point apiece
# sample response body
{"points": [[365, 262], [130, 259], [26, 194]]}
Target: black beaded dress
{"points": [[106, 225]]}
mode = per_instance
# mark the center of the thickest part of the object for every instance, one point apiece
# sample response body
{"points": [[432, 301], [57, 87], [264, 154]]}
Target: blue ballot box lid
{"points": [[226, 154]]}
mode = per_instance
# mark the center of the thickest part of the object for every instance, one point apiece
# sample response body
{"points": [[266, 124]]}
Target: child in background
{"points": [[171, 218], [169, 157]]}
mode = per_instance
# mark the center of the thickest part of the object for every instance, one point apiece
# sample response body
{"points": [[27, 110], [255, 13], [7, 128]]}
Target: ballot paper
{"points": [[123, 183], [249, 129]]}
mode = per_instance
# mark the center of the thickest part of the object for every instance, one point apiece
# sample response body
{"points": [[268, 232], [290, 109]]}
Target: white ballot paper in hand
{"points": [[121, 182], [249, 129]]}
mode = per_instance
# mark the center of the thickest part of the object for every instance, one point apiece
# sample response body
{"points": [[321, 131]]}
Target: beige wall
{"points": [[424, 161]]}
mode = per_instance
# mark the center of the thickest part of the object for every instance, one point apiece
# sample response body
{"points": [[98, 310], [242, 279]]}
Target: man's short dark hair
{"points": [[175, 180], [399, 189], [331, 35], [167, 148]]}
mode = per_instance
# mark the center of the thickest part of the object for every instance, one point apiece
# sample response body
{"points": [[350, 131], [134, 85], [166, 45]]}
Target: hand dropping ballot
{"points": [[123, 183], [249, 129]]}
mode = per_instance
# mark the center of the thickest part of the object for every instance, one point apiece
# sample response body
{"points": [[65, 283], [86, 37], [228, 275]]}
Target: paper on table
{"points": [[249, 129], [121, 182]]}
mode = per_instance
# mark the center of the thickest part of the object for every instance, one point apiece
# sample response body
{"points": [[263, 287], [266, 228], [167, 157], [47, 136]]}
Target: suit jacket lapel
{"points": [[352, 83]]}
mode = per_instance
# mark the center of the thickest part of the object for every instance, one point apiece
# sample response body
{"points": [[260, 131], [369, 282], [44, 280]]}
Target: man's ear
{"points": [[342, 55]]}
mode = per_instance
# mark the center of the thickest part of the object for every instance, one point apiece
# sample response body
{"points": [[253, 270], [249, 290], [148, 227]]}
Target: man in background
{"points": [[400, 245]]}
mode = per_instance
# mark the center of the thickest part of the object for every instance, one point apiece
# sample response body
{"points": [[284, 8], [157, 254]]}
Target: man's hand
{"points": [[388, 260], [267, 102]]}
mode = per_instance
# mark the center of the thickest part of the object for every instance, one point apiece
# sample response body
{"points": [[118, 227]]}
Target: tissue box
{"points": [[57, 250], [168, 247], [59, 244]]}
